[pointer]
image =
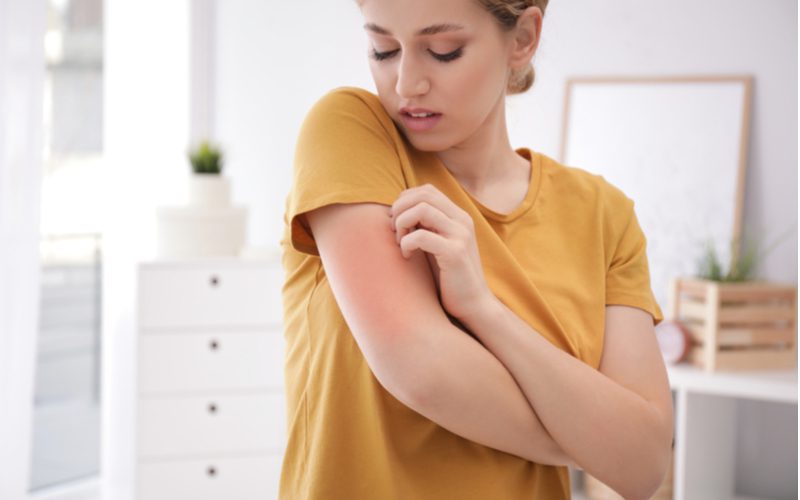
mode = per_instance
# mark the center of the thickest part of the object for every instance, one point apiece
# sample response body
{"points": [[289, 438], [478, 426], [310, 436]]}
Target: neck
{"points": [[486, 158]]}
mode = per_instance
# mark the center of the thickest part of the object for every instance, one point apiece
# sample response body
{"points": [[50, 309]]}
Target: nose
{"points": [[411, 80]]}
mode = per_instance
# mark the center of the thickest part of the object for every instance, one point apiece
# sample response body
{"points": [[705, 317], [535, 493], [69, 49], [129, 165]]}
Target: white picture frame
{"points": [[677, 146]]}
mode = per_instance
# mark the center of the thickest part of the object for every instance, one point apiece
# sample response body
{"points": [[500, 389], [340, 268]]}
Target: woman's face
{"points": [[446, 57]]}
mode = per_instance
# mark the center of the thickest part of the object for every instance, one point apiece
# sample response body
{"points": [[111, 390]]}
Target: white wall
{"points": [[274, 59]]}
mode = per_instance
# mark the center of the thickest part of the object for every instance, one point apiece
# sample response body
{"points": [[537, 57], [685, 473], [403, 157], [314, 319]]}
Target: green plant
{"points": [[206, 158], [742, 265]]}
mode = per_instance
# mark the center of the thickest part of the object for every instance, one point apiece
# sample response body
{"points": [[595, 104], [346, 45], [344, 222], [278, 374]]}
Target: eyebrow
{"points": [[430, 30]]}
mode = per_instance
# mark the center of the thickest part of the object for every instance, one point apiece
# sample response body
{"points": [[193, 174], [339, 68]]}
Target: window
{"points": [[66, 428]]}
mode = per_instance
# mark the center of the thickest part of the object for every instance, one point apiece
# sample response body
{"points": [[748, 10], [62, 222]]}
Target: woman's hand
{"points": [[423, 218]]}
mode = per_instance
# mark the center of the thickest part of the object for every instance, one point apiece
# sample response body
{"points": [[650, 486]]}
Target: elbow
{"points": [[650, 478], [396, 381], [648, 467], [648, 486], [396, 386], [662, 465], [421, 385], [401, 367], [659, 459], [418, 388]]}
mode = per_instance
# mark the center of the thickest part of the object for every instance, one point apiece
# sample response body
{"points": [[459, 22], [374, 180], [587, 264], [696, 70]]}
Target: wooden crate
{"points": [[737, 326]]}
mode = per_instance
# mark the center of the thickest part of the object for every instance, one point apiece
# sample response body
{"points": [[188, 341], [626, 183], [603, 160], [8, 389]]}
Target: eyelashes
{"points": [[380, 56], [451, 56]]}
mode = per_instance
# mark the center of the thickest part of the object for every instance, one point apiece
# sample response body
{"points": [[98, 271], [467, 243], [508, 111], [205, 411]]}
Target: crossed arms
{"points": [[519, 396]]}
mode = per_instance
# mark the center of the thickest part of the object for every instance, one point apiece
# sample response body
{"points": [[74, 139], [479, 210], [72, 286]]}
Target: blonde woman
{"points": [[464, 319]]}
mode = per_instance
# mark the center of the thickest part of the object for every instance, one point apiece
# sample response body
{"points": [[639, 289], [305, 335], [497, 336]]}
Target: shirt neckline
{"points": [[534, 184]]}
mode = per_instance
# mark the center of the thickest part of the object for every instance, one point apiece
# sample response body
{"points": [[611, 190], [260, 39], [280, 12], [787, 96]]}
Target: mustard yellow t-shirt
{"points": [[570, 248]]}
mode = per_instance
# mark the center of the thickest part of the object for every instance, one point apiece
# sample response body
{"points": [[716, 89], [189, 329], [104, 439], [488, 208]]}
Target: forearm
{"points": [[608, 430], [450, 378]]}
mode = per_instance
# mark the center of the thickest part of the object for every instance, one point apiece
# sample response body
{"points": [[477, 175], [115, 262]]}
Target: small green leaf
{"points": [[742, 264], [206, 158]]}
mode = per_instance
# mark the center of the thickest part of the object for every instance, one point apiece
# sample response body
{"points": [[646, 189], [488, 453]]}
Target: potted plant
{"points": [[207, 186], [733, 320], [210, 225]]}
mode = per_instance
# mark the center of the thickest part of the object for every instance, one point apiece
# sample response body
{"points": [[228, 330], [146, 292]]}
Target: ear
{"points": [[525, 37]]}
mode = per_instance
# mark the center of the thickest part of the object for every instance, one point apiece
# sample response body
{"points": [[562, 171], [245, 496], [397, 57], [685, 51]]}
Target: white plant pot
{"points": [[209, 190], [208, 227]]}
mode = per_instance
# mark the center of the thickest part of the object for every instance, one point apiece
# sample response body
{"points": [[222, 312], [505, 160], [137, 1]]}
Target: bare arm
{"points": [[391, 306], [616, 422]]}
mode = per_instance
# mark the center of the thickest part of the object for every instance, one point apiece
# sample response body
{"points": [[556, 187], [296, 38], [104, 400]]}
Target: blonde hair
{"points": [[506, 12]]}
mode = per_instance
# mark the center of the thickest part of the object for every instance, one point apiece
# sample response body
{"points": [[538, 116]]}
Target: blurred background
{"points": [[100, 99]]}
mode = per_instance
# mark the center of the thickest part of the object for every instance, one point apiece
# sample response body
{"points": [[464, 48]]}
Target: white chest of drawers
{"points": [[210, 411]]}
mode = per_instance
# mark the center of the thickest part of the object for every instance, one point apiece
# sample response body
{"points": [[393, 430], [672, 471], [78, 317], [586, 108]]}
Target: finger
{"points": [[430, 194], [426, 215], [424, 240], [427, 193]]}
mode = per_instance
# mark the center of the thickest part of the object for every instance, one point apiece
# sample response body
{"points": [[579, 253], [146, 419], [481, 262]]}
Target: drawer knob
{"points": [[211, 471], [214, 280], [212, 408], [214, 345]]}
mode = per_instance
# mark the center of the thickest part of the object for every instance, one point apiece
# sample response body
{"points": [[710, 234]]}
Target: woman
{"points": [[464, 320]]}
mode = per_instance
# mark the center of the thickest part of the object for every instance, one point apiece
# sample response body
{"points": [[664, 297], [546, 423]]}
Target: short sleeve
{"points": [[628, 276], [345, 153]]}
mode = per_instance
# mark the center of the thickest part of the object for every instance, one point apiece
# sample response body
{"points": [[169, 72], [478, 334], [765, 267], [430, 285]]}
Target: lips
{"points": [[419, 119], [417, 112]]}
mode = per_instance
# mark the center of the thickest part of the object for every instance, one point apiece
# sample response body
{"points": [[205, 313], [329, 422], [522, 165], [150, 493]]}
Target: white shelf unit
{"points": [[210, 407], [705, 424], [705, 405]]}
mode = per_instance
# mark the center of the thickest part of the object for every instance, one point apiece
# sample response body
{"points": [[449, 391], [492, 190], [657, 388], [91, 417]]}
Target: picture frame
{"points": [[677, 146]]}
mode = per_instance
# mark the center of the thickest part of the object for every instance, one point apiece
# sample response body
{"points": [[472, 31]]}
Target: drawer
{"points": [[229, 478], [176, 362], [212, 424], [208, 295]]}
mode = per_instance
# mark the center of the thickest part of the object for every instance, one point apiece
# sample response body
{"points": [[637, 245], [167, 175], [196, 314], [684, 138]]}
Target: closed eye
{"points": [[380, 56], [449, 56]]}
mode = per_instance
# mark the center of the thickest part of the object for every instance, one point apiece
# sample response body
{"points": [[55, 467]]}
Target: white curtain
{"points": [[22, 24]]}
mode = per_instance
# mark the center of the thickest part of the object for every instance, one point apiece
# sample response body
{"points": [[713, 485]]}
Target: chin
{"points": [[428, 146], [424, 142]]}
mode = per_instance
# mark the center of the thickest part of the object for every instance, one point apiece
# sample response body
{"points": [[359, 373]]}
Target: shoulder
{"points": [[589, 196], [582, 186], [349, 101], [348, 113], [347, 96]]}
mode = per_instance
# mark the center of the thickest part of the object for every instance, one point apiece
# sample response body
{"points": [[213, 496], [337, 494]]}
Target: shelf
{"points": [[218, 260], [580, 495], [252, 255], [764, 385]]}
